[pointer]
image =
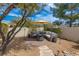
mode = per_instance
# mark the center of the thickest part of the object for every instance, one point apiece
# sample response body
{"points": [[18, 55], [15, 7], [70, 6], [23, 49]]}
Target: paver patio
{"points": [[45, 51]]}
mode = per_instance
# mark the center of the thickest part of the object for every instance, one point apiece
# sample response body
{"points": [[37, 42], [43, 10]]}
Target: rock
{"points": [[65, 53]]}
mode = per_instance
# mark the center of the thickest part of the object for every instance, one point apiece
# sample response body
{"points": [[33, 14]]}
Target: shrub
{"points": [[5, 27], [55, 30]]}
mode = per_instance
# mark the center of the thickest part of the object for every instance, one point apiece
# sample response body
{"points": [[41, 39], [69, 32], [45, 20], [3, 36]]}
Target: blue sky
{"points": [[43, 14]]}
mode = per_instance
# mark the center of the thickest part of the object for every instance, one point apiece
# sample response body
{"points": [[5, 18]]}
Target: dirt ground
{"points": [[29, 47]]}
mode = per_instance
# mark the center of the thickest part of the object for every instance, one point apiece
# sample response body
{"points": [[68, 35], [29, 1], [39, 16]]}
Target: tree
{"points": [[57, 22], [66, 11], [28, 23], [27, 10]]}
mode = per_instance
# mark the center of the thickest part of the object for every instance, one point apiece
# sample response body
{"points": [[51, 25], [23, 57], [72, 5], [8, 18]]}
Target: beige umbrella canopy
{"points": [[40, 22], [39, 25]]}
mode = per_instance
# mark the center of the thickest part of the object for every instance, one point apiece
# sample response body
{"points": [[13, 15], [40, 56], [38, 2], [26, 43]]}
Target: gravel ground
{"points": [[29, 47]]}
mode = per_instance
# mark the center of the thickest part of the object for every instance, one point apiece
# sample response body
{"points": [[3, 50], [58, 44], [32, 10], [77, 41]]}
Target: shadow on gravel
{"points": [[76, 46], [30, 39], [19, 43]]}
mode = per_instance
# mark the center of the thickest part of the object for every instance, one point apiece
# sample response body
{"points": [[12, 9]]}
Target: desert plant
{"points": [[5, 28], [26, 11], [57, 30]]}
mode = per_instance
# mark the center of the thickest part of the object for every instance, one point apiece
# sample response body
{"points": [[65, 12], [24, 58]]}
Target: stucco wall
{"points": [[70, 33], [23, 32], [40, 29]]}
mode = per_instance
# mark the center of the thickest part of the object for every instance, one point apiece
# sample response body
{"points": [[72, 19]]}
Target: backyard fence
{"points": [[70, 33]]}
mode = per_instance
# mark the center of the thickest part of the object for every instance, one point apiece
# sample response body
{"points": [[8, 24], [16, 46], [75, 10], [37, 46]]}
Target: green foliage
{"points": [[57, 22], [57, 30], [31, 7], [4, 27], [62, 8], [28, 23], [50, 27]]}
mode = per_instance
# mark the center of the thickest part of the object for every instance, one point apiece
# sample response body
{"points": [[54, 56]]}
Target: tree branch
{"points": [[1, 18], [2, 34]]}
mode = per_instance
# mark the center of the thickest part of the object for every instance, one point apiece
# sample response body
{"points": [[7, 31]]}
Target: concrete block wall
{"points": [[70, 33]]}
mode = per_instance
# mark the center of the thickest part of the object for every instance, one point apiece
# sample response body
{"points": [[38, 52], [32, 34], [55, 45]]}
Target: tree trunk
{"points": [[2, 34], [1, 18], [6, 11], [70, 23], [11, 34], [71, 19]]}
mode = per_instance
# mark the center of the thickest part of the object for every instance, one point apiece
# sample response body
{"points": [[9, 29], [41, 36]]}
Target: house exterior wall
{"points": [[23, 32]]}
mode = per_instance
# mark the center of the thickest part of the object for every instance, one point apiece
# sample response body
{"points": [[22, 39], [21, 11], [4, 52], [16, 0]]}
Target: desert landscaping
{"points": [[39, 29], [20, 47]]}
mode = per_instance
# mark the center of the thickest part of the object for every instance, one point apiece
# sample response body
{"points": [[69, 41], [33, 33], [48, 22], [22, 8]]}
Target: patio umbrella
{"points": [[40, 22]]}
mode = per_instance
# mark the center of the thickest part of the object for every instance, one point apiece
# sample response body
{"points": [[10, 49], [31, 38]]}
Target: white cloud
{"points": [[5, 21], [49, 18], [12, 14], [51, 5], [38, 15]]}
